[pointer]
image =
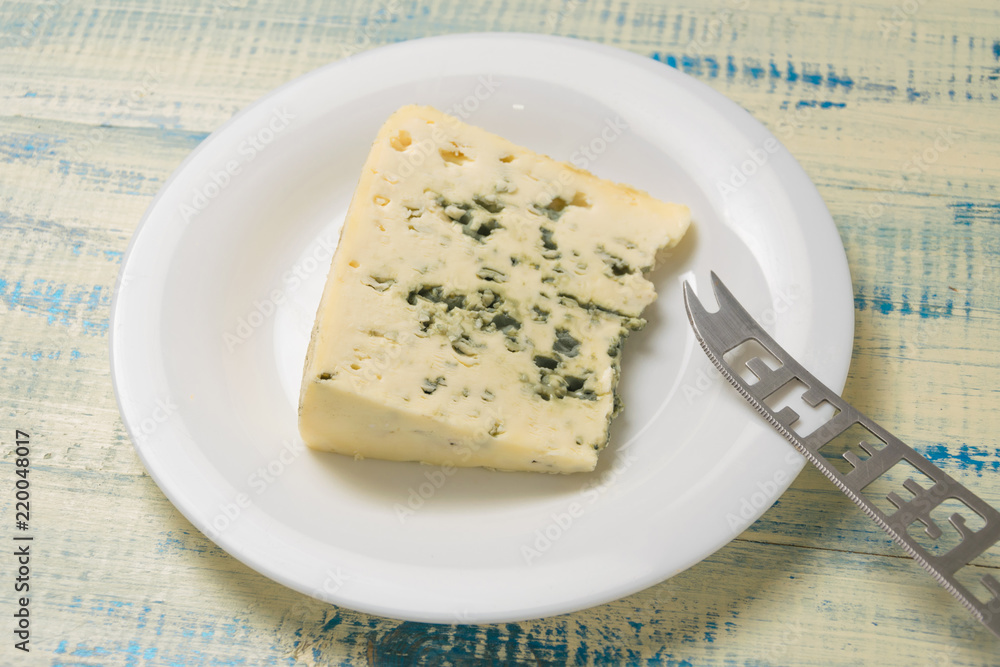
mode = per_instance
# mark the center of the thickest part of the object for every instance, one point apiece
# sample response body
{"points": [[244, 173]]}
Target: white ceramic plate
{"points": [[220, 284]]}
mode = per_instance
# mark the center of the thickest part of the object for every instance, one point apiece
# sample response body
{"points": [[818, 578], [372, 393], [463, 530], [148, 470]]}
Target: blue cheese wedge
{"points": [[477, 303]]}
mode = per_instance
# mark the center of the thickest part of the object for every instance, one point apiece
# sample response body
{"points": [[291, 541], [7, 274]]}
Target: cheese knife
{"points": [[729, 327]]}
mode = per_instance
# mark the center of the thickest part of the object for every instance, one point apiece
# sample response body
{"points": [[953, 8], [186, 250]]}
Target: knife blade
{"points": [[729, 327]]}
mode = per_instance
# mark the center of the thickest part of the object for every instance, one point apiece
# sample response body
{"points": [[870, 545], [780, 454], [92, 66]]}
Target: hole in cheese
{"points": [[401, 141], [455, 156]]}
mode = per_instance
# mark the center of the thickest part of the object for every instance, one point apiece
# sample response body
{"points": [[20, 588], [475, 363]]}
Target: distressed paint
{"points": [[890, 107]]}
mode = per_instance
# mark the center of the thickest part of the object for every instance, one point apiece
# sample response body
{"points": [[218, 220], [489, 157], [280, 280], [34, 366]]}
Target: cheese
{"points": [[477, 303]]}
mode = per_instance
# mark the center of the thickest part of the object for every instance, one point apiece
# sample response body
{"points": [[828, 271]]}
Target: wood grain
{"points": [[892, 109]]}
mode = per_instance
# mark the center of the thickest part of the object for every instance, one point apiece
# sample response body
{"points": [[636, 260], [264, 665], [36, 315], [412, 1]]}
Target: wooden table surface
{"points": [[891, 106]]}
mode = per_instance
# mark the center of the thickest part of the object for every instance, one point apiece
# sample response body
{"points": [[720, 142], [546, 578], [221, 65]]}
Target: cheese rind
{"points": [[477, 303]]}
